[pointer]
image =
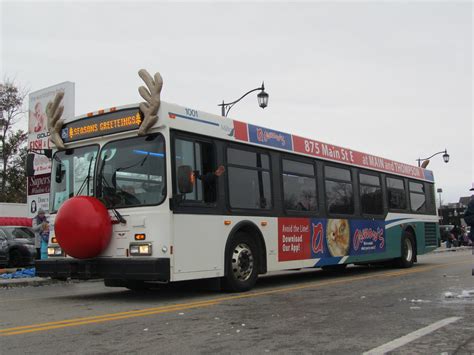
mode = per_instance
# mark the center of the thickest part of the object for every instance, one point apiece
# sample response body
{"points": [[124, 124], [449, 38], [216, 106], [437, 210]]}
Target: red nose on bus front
{"points": [[83, 227]]}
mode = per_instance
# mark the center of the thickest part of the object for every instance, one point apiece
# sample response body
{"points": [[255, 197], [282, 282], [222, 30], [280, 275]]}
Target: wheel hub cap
{"points": [[242, 262]]}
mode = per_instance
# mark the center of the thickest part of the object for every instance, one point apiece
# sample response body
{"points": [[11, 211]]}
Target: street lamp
{"points": [[426, 161], [262, 98]]}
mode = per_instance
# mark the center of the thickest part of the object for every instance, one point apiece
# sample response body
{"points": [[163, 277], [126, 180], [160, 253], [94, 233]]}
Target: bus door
{"points": [[198, 226]]}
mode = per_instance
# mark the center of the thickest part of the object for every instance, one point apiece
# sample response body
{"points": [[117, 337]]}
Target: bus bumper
{"points": [[150, 269]]}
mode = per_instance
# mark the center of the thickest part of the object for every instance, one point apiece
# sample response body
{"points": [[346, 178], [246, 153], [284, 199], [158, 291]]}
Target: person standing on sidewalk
{"points": [[39, 223], [469, 215], [44, 240]]}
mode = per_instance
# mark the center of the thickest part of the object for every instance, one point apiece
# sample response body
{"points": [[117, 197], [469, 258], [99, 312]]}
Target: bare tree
{"points": [[12, 144]]}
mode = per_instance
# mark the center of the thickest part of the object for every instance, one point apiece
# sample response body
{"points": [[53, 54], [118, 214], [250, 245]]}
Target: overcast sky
{"points": [[392, 79]]}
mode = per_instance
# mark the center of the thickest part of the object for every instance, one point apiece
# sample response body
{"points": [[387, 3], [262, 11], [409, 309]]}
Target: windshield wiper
{"points": [[87, 179], [140, 162], [100, 181]]}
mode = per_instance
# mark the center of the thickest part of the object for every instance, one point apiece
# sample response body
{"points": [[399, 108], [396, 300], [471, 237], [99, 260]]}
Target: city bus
{"points": [[141, 209]]}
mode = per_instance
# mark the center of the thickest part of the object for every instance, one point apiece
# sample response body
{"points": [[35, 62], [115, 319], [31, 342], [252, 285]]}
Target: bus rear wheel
{"points": [[408, 251], [241, 263]]}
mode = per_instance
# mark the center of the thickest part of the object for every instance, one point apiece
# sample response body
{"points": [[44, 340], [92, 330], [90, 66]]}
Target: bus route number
{"points": [[191, 112], [311, 147]]}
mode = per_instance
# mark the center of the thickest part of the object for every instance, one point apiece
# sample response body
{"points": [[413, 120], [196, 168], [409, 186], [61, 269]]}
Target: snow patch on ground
{"points": [[419, 301], [464, 294]]}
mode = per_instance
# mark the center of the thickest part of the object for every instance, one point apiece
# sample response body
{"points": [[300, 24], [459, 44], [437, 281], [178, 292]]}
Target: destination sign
{"points": [[97, 126]]}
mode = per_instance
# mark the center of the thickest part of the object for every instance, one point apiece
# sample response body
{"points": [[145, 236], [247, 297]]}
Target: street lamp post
{"points": [[439, 191], [426, 161], [262, 98]]}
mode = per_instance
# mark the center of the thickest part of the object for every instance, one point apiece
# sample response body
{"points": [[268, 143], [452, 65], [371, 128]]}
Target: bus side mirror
{"points": [[48, 153], [185, 179], [30, 170]]}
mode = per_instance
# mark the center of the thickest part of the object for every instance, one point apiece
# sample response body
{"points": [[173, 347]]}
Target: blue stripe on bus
{"points": [[194, 119], [395, 220], [328, 261]]}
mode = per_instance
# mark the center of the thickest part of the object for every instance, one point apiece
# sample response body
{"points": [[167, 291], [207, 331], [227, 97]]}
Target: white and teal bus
{"points": [[136, 209]]}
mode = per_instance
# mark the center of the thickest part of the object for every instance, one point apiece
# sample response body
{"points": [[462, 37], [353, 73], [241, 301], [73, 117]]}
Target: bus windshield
{"points": [[72, 174], [131, 172]]}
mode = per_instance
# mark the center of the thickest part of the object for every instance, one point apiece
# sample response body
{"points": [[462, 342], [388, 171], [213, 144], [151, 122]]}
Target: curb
{"points": [[452, 249], [24, 282], [38, 281]]}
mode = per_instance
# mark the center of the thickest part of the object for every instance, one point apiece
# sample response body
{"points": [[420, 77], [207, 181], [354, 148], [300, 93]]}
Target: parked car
{"points": [[3, 251], [17, 246]]}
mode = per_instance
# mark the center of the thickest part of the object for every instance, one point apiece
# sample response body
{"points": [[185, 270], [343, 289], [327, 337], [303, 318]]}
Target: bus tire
{"points": [[408, 251], [136, 285], [241, 263]]}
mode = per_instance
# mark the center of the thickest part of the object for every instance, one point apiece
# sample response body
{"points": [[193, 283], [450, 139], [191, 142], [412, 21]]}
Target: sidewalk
{"points": [[443, 249], [21, 277]]}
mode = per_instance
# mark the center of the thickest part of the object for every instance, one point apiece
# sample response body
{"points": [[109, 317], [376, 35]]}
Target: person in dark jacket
{"points": [[209, 181], [469, 215], [39, 223]]}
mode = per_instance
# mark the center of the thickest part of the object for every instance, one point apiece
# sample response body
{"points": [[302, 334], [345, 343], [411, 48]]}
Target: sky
{"points": [[393, 79]]}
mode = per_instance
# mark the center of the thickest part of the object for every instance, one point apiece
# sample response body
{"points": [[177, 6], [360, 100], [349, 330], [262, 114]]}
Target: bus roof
{"points": [[192, 120]]}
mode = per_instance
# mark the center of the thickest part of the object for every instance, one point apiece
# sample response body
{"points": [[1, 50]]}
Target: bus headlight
{"points": [[139, 249], [55, 251]]}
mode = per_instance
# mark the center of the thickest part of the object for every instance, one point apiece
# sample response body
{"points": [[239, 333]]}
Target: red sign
{"points": [[294, 239], [349, 156], [39, 184]]}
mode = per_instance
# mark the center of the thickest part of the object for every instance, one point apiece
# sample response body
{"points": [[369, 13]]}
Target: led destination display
{"points": [[109, 123]]}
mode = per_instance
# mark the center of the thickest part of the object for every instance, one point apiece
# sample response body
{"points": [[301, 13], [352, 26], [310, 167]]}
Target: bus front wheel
{"points": [[241, 263], [408, 251]]}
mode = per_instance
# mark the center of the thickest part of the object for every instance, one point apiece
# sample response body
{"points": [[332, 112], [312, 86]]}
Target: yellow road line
{"points": [[106, 319], [210, 302], [112, 315]]}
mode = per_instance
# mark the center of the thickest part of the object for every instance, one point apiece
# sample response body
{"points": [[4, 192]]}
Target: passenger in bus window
{"points": [[209, 181]]}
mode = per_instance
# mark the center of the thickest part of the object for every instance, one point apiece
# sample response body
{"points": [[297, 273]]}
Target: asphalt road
{"points": [[425, 309]]}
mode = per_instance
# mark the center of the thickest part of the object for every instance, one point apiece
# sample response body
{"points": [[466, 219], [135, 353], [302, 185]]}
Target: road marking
{"points": [[394, 344], [74, 323], [209, 302]]}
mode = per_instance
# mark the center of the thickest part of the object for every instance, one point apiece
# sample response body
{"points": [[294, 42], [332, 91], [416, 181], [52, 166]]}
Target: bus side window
{"points": [[396, 194], [200, 156], [249, 179], [339, 191], [417, 196], [370, 194]]}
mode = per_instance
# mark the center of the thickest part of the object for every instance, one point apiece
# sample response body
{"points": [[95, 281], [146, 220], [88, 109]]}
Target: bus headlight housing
{"points": [[55, 251], [140, 249]]}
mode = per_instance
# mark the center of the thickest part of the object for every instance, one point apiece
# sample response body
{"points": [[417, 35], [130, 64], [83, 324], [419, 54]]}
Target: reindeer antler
{"points": [[152, 99], [55, 123]]}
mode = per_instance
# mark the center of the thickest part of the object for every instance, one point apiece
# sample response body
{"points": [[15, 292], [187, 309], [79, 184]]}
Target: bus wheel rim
{"points": [[242, 262], [409, 249]]}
